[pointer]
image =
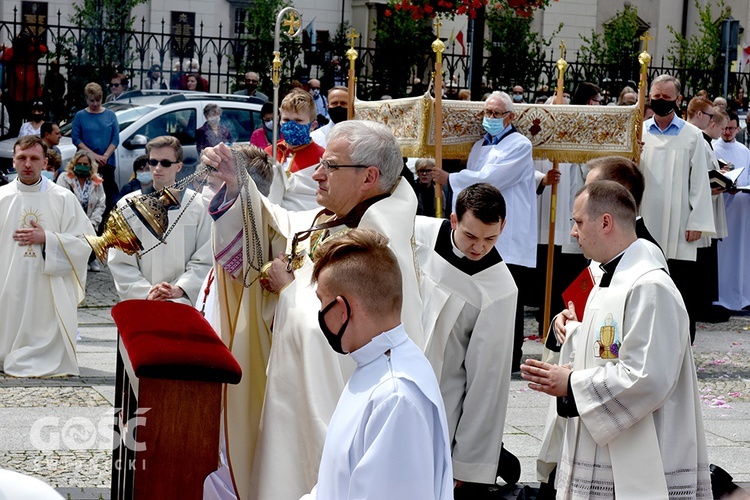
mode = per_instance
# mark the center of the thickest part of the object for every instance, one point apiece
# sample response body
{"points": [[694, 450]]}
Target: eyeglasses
{"points": [[710, 115], [164, 163], [425, 171], [495, 114], [115, 84], [517, 93], [251, 81], [328, 167], [730, 129]]}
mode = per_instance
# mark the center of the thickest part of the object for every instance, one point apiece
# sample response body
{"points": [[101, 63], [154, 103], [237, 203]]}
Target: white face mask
{"points": [[213, 120], [268, 124]]}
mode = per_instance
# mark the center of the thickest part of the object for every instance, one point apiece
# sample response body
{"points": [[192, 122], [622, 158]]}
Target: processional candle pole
{"points": [[562, 65], [644, 58], [351, 54], [438, 47]]}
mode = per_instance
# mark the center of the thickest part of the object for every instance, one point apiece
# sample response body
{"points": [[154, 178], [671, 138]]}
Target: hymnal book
{"points": [[578, 292], [724, 180]]}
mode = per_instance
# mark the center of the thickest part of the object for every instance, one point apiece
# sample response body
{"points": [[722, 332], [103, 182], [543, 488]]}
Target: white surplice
{"points": [[42, 284], [183, 261], [734, 250], [507, 166], [717, 200], [320, 134], [388, 438], [304, 377], [677, 196], [468, 322], [640, 430]]}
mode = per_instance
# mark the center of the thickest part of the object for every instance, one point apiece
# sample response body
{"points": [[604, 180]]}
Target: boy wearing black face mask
{"points": [[36, 119], [389, 431], [338, 109], [676, 205], [293, 187]]}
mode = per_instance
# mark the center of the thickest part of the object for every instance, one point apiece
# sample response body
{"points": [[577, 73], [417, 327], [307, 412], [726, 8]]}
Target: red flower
{"points": [[388, 12]]}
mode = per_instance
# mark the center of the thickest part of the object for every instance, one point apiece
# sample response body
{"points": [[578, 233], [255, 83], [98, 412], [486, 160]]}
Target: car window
{"points": [[240, 122], [180, 124]]}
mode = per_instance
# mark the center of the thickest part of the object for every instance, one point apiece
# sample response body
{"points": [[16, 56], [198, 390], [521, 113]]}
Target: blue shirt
{"points": [[674, 127], [494, 139], [97, 131]]}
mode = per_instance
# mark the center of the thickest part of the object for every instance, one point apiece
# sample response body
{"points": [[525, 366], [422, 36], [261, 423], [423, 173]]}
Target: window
{"points": [[180, 124], [240, 122]]}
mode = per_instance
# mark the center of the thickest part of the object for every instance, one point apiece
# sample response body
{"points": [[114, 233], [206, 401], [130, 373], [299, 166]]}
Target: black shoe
{"points": [[509, 467], [479, 491]]}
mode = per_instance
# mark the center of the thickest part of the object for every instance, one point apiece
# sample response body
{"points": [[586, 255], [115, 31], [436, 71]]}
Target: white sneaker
{"points": [[96, 266]]}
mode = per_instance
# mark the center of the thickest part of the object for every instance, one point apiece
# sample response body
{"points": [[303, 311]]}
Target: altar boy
{"points": [[468, 317]]}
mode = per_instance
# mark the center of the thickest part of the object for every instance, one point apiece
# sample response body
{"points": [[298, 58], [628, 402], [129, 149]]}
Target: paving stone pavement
{"points": [[59, 429]]}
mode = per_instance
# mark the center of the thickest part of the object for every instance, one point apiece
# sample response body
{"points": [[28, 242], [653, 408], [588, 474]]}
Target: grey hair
{"points": [[668, 78], [372, 143], [210, 107], [503, 96]]}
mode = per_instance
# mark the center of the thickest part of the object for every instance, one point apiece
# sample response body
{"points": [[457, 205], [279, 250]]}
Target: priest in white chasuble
{"points": [[626, 384], [43, 259], [468, 316], [296, 376]]}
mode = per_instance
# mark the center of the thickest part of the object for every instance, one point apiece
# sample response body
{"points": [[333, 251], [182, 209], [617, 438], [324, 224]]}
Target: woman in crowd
{"points": [[212, 132], [36, 119], [82, 178], [95, 129], [263, 135]]}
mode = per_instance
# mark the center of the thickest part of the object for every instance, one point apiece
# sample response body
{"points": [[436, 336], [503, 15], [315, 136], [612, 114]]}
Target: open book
{"points": [[724, 180]]}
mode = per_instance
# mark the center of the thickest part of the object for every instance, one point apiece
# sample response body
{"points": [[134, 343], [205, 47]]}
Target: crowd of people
{"points": [[378, 342]]}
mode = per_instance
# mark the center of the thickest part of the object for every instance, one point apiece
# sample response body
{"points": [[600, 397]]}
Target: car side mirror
{"points": [[135, 142]]}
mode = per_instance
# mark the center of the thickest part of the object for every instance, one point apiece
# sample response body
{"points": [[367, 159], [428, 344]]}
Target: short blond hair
{"points": [[299, 101], [165, 141], [424, 163], [93, 91]]}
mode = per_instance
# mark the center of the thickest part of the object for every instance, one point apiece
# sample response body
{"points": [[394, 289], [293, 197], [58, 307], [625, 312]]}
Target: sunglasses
{"points": [[164, 163], [114, 84]]}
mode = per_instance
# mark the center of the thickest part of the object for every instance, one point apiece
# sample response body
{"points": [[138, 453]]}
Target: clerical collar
{"points": [[380, 345], [456, 251], [30, 188], [355, 214], [709, 140], [609, 270], [446, 248]]}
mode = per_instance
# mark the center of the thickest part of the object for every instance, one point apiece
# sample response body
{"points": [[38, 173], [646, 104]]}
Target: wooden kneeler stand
{"points": [[170, 369]]}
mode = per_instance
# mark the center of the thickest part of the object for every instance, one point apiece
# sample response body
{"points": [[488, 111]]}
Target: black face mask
{"points": [[663, 107], [334, 340], [37, 117], [338, 114], [251, 87]]}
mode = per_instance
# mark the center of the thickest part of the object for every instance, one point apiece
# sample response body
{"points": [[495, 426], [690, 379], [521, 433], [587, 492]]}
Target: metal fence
{"points": [[95, 54]]}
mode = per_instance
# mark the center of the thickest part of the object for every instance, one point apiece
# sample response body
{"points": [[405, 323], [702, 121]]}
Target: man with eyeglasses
{"points": [[734, 280], [502, 158], [294, 369], [252, 81], [118, 84], [175, 270], [677, 200]]}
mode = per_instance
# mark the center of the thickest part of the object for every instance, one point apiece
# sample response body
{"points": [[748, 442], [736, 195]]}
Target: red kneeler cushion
{"points": [[174, 341]]}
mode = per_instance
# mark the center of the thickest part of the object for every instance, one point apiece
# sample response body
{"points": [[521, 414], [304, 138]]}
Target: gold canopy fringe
{"points": [[565, 133]]}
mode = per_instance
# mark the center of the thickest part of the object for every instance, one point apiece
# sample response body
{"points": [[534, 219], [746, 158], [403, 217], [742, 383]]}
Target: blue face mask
{"points": [[296, 134], [49, 175], [493, 126], [144, 177]]}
